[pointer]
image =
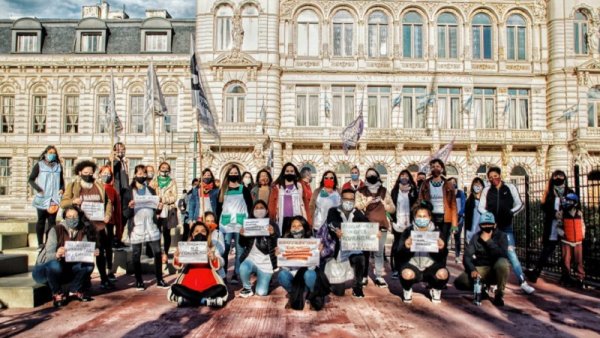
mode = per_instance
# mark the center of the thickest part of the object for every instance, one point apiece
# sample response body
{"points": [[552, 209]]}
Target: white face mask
{"points": [[247, 180], [477, 189], [260, 213], [348, 205]]}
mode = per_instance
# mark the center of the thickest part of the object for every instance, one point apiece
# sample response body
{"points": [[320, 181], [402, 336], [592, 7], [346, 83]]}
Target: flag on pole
{"points": [[327, 106], [154, 100], [270, 157], [507, 106], [263, 116], [199, 101], [467, 106], [442, 154], [569, 112], [397, 102], [427, 100], [352, 133], [113, 121]]}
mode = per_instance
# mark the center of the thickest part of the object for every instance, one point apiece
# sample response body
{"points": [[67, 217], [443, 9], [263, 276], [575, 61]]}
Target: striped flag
{"points": [[352, 133], [199, 100], [113, 120]]}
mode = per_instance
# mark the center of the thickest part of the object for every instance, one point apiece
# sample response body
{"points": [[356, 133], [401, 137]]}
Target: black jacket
{"points": [[502, 203], [405, 254], [550, 212], [480, 253], [265, 244], [121, 183], [334, 218], [413, 195], [469, 211]]}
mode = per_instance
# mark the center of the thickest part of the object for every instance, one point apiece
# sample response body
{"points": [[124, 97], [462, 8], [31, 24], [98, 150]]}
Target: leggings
{"points": [[194, 296], [166, 233], [137, 254], [105, 258], [40, 225]]}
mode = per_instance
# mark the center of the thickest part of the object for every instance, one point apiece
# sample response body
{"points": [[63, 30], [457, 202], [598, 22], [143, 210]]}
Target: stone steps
{"points": [[17, 226], [12, 240], [30, 252], [13, 264], [21, 291]]}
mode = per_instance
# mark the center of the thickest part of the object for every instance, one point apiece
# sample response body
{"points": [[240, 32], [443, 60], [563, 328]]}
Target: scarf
{"points": [[405, 187], [163, 181], [373, 188], [206, 188]]}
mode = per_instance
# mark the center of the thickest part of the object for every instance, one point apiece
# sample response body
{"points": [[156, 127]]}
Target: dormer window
{"points": [[156, 35], [27, 36], [91, 36]]}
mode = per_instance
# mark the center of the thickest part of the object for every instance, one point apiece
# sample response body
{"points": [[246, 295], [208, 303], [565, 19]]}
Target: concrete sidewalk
{"points": [[551, 312]]}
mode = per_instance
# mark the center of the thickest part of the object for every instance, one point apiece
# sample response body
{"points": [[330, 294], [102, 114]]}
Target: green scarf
{"points": [[163, 181]]}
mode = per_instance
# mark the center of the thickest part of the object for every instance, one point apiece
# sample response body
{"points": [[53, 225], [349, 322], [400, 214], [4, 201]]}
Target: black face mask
{"points": [[289, 177], [206, 180], [233, 178], [487, 229], [372, 179], [199, 238], [87, 178], [140, 180], [558, 181]]}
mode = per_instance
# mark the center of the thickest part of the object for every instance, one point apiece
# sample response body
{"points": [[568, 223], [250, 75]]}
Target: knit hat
{"points": [[487, 218]]}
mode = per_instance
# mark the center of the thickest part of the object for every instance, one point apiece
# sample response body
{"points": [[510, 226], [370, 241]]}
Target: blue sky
{"points": [[71, 9]]}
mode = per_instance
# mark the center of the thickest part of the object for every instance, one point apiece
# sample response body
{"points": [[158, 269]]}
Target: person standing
{"points": [[355, 182], [325, 197], [502, 199], [248, 180], [572, 234], [421, 177], [167, 219], [208, 193], [121, 182], [404, 195], [306, 179], [262, 189], [461, 200], [287, 197], [472, 213], [106, 178], [47, 179]]}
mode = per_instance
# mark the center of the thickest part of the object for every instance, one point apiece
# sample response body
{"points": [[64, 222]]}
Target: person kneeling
{"points": [[422, 266], [486, 258], [199, 283], [51, 267], [259, 255]]}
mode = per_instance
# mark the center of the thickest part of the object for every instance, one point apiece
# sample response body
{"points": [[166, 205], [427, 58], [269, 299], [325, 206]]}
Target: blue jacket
{"points": [[463, 199], [193, 207]]}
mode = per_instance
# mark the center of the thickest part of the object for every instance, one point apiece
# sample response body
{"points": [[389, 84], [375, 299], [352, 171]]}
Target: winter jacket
{"points": [[193, 207], [420, 260], [74, 191], [413, 194], [335, 220], [504, 203], [376, 212], [480, 253], [450, 208]]}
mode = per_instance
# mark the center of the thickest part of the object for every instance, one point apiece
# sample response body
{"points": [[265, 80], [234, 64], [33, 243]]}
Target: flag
{"points": [[327, 106], [427, 100], [199, 101], [467, 106], [397, 102], [352, 133], [570, 112], [154, 101], [112, 118], [507, 106], [270, 157], [442, 154], [263, 116]]}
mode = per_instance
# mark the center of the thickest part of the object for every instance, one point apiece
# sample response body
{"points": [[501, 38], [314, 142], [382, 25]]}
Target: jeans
{"points": [[457, 238], [238, 251], [380, 255], [496, 275], [40, 225], [54, 273], [137, 254], [285, 278], [263, 279], [512, 255], [357, 262]]}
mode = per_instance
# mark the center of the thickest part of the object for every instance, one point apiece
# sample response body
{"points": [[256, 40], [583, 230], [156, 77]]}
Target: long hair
{"points": [[48, 148], [264, 204], [139, 167], [375, 171], [266, 171], [335, 180], [287, 226], [251, 178], [280, 181], [411, 181], [84, 228], [471, 192], [207, 170], [549, 191], [208, 233], [225, 183]]}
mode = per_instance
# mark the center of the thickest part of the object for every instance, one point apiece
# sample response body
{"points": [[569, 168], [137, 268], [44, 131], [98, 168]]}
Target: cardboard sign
{"points": [[360, 236], [256, 227], [193, 252], [76, 251], [146, 201], [93, 210], [424, 241], [298, 252]]}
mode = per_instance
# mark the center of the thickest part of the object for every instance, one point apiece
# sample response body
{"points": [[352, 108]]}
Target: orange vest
{"points": [[573, 229]]}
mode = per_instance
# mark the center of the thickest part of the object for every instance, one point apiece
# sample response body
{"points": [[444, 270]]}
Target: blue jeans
{"points": [[263, 279], [380, 255], [238, 251], [512, 255], [54, 273], [285, 278]]}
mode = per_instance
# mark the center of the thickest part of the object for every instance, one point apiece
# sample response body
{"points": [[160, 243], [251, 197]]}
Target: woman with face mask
{"points": [[262, 189], [105, 176], [472, 213], [247, 180], [355, 182], [233, 207], [51, 267], [376, 202], [206, 192], [259, 255], [46, 179], [287, 197], [325, 197], [404, 194], [167, 218], [199, 283]]}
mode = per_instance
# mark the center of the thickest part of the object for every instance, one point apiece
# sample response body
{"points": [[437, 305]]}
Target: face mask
{"points": [[487, 230], [165, 173], [51, 157], [354, 177], [211, 226], [106, 178], [297, 234], [264, 181], [121, 154], [140, 180], [568, 205], [420, 182], [328, 183], [348, 205], [372, 179], [199, 238], [233, 178], [436, 172], [421, 222], [289, 177], [558, 181], [496, 181], [404, 181], [72, 223], [477, 189], [150, 176], [247, 180], [206, 180], [260, 213], [87, 178]]}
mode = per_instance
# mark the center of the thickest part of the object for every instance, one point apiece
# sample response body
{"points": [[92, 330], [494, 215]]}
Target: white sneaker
{"points": [[407, 296], [458, 260], [365, 281], [527, 288], [214, 302], [436, 296]]}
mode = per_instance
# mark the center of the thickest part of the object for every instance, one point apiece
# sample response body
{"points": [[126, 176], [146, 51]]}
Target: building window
{"points": [[414, 107], [308, 33], [343, 105], [235, 103], [383, 174], [484, 104], [27, 43], [102, 114], [449, 108], [378, 34], [136, 112], [343, 33], [250, 25], [451, 171], [516, 37], [156, 42], [7, 112], [594, 107], [224, 18], [518, 117], [5, 173], [482, 37], [91, 42], [307, 106], [447, 36], [39, 114], [412, 36], [134, 162], [580, 30], [68, 164], [170, 120], [71, 114], [379, 107]]}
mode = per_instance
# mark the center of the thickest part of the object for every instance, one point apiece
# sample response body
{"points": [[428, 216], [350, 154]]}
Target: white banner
{"points": [[424, 241], [360, 236], [146, 201], [93, 210], [298, 252], [255, 227], [76, 251], [193, 252]]}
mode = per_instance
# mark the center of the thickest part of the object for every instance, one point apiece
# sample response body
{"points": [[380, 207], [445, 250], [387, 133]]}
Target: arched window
{"points": [[517, 176], [7, 112], [447, 26], [594, 107], [383, 174], [313, 171], [580, 31], [518, 171], [224, 17], [308, 33], [412, 35], [71, 113], [482, 172], [343, 33], [235, 103], [378, 34], [451, 171], [516, 37], [482, 37], [413, 168], [343, 168], [250, 25]]}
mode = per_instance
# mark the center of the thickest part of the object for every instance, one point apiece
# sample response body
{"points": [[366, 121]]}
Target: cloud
{"points": [[71, 9]]}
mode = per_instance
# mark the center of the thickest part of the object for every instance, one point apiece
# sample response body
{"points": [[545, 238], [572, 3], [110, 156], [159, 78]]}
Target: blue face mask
{"points": [[72, 223], [354, 177], [51, 157], [421, 222]]}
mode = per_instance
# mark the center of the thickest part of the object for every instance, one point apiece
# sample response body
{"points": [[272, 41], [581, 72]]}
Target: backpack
{"points": [[327, 240]]}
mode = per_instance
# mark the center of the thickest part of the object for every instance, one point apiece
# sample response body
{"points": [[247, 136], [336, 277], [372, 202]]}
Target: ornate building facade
{"points": [[514, 83]]}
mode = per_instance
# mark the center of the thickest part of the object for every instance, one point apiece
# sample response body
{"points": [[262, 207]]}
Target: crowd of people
{"points": [[105, 206]]}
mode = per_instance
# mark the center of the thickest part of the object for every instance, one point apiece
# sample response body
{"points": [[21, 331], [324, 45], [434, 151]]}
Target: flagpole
{"points": [[199, 138], [152, 114], [114, 127]]}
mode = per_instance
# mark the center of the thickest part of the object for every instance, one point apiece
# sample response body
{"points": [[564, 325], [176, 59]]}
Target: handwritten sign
{"points": [[146, 201], [360, 236], [192, 252], [255, 227], [93, 210], [298, 252], [424, 241], [76, 251]]}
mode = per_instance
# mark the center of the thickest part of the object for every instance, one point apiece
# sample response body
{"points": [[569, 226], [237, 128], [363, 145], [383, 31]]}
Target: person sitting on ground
{"points": [[486, 257], [51, 267], [200, 283], [422, 266]]}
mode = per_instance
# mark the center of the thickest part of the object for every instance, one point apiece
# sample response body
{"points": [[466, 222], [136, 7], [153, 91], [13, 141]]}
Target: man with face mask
{"points": [[121, 179], [355, 182], [486, 258]]}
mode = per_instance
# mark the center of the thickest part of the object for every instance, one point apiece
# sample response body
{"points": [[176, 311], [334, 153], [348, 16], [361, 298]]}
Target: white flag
{"points": [[154, 99]]}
